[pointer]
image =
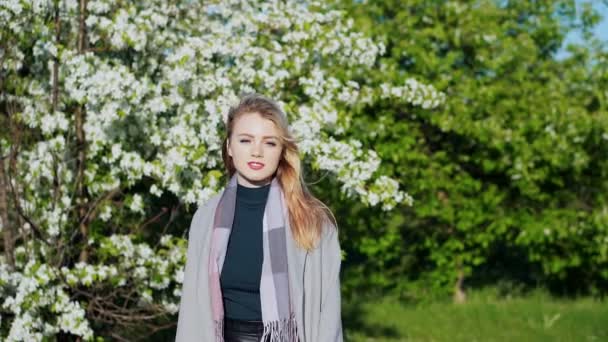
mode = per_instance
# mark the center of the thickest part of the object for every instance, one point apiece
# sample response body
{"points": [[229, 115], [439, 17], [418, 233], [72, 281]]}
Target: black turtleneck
{"points": [[242, 269]]}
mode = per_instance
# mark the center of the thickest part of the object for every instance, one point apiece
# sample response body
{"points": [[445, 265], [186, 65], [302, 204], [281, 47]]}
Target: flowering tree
{"points": [[108, 106]]}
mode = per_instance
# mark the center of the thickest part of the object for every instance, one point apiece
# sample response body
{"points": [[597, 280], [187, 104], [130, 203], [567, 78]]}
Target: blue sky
{"points": [[601, 31]]}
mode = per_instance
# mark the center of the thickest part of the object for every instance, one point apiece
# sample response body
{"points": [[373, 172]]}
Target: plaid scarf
{"points": [[277, 314]]}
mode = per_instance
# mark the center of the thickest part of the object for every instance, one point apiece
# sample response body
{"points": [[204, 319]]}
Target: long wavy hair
{"points": [[307, 214]]}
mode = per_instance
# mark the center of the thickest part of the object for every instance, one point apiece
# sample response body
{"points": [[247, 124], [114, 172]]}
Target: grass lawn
{"points": [[537, 317]]}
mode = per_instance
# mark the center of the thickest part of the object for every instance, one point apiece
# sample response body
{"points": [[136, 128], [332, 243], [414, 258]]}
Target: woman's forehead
{"points": [[255, 125]]}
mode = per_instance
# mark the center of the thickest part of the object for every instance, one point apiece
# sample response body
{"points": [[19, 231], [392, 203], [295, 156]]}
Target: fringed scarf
{"points": [[277, 314]]}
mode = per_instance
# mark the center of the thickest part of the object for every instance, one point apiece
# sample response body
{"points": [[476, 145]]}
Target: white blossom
{"points": [[154, 88]]}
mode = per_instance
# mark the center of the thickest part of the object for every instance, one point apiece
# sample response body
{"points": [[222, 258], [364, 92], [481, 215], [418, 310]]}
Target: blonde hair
{"points": [[307, 214]]}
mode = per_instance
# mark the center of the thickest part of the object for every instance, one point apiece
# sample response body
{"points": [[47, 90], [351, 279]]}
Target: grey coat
{"points": [[313, 278]]}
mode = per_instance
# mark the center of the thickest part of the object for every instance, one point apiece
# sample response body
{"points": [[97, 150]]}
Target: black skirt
{"points": [[236, 330]]}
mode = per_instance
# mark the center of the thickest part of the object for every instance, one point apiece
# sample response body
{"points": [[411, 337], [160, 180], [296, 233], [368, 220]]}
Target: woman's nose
{"points": [[256, 150]]}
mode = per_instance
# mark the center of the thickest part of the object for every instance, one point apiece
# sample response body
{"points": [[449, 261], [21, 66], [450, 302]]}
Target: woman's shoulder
{"points": [[328, 247], [330, 226], [329, 234], [208, 207], [204, 215]]}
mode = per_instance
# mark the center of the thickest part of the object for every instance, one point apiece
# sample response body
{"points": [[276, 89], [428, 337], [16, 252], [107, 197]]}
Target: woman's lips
{"points": [[255, 165]]}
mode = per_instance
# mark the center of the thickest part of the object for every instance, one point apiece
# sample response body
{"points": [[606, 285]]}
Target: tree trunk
{"points": [[81, 190], [459, 295], [7, 228], [8, 233]]}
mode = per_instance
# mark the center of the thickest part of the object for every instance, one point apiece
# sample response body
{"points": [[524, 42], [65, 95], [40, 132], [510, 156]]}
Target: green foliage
{"points": [[512, 169]]}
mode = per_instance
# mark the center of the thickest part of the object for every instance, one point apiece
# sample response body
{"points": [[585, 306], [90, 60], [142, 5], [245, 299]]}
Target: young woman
{"points": [[263, 258]]}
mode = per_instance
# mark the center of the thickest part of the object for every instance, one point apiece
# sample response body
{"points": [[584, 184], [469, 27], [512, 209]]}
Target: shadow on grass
{"points": [[356, 322]]}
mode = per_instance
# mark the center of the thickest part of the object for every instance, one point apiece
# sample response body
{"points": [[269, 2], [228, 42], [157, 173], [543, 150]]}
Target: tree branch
{"points": [[16, 138], [56, 62]]}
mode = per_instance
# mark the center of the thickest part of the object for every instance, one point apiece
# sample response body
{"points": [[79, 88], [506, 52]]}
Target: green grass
{"points": [[536, 317]]}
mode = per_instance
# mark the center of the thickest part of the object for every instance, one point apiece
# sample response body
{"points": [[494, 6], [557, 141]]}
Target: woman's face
{"points": [[255, 149]]}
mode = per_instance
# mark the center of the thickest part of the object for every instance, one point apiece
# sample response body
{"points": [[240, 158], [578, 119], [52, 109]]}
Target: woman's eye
{"points": [[244, 141]]}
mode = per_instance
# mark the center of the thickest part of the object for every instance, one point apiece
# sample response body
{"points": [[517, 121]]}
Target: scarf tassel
{"points": [[219, 330], [284, 330]]}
